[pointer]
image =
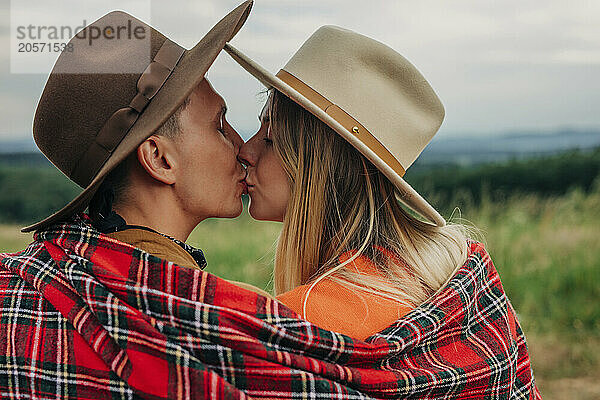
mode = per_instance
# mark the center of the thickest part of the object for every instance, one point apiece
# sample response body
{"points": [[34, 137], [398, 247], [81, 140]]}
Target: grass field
{"points": [[547, 251]]}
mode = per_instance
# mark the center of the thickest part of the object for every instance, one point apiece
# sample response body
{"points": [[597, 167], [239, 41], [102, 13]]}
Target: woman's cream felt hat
{"points": [[369, 94]]}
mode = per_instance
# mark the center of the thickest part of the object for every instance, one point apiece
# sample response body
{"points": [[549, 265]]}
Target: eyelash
{"points": [[268, 141], [222, 127], [266, 120]]}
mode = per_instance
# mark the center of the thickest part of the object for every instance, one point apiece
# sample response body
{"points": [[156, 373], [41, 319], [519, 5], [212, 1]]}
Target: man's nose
{"points": [[248, 153], [236, 140]]}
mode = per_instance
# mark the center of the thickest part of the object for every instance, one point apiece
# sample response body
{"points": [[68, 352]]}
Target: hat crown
{"points": [[89, 82], [373, 84]]}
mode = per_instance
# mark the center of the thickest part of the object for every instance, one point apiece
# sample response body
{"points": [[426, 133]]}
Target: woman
{"points": [[350, 258]]}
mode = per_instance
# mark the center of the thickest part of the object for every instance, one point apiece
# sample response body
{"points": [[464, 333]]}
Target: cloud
{"points": [[496, 65]]}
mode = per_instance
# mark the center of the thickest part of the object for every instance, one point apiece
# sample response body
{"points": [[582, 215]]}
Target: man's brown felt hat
{"points": [[90, 116]]}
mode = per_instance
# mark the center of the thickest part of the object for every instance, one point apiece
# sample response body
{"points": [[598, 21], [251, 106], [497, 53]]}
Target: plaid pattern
{"points": [[85, 316]]}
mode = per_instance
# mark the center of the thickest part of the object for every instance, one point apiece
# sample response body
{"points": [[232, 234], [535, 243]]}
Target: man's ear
{"points": [[158, 156]]}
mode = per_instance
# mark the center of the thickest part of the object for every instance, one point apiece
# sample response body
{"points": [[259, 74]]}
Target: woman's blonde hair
{"points": [[341, 202]]}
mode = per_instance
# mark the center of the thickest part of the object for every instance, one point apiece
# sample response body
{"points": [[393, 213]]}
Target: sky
{"points": [[498, 66]]}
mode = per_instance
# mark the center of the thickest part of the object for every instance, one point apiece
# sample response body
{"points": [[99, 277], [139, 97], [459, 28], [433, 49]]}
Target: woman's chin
{"points": [[260, 214], [254, 213]]}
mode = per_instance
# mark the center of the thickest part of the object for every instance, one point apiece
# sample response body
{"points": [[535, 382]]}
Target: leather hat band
{"points": [[343, 118], [121, 121]]}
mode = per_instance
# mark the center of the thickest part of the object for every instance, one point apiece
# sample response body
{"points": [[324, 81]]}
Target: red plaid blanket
{"points": [[85, 316]]}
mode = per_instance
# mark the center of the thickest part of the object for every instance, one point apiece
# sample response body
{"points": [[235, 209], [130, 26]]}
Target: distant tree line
{"points": [[28, 194], [30, 191], [447, 186]]}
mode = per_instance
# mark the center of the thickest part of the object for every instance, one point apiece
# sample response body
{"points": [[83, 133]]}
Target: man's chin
{"points": [[232, 212]]}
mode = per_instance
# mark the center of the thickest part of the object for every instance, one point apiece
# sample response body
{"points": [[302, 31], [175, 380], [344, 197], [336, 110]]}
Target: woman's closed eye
{"points": [[267, 138]]}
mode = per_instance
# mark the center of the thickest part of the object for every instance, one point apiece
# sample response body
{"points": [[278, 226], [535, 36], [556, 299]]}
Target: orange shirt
{"points": [[355, 313]]}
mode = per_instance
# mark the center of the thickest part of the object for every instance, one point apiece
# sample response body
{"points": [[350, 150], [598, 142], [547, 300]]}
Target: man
{"points": [[188, 167], [149, 143]]}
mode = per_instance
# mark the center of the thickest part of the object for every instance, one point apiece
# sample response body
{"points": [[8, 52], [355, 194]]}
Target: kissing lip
{"points": [[248, 181]]}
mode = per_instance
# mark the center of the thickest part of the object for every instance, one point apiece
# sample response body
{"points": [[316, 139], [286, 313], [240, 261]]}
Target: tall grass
{"points": [[239, 249], [547, 251]]}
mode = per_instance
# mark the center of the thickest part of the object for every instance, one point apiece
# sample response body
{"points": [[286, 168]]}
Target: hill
{"points": [[442, 150]]}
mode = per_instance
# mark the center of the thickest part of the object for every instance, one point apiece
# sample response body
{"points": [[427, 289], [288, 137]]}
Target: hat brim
{"points": [[187, 74], [406, 194]]}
